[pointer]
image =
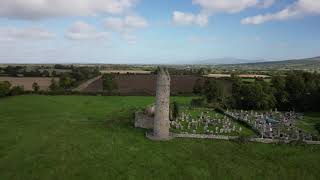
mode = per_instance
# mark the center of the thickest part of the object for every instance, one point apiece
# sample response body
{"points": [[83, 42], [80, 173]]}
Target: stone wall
{"points": [[221, 137], [204, 136], [143, 120]]}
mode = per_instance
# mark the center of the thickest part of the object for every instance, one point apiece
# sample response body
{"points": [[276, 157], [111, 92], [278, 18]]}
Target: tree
{"points": [[202, 71], [214, 91], [108, 83], [66, 82], [54, 85], [236, 92], [176, 110], [257, 95], [295, 87], [280, 94], [197, 88], [54, 73], [35, 87], [4, 88], [45, 73]]}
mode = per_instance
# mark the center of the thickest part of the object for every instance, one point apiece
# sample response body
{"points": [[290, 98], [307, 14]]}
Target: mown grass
{"points": [[83, 137], [309, 122]]}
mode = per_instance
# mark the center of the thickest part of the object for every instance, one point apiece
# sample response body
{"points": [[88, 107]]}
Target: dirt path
{"points": [[84, 85]]}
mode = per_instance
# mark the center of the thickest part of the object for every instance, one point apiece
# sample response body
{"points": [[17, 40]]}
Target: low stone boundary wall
{"points": [[143, 120], [313, 142], [204, 136], [270, 141], [221, 137]]}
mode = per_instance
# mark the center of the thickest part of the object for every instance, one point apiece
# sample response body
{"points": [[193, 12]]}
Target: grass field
{"points": [[83, 137], [309, 122]]}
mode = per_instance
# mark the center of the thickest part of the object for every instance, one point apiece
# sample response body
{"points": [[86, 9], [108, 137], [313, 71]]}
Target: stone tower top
{"points": [[163, 78]]}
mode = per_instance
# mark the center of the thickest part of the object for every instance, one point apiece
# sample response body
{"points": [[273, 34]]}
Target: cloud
{"points": [[128, 23], [181, 18], [38, 9], [229, 6], [211, 7], [298, 9], [83, 31], [126, 26], [266, 3], [29, 33]]}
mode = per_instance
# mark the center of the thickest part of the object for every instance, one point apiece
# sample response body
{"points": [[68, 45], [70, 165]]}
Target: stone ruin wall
{"points": [[143, 120]]}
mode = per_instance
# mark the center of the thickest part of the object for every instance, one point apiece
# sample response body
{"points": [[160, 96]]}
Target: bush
{"points": [[241, 139], [4, 88], [175, 110], [16, 90], [220, 110], [109, 84], [35, 87], [54, 85]]}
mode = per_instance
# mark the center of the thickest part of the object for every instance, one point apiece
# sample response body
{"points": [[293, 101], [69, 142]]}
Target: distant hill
{"points": [[226, 60], [310, 64]]}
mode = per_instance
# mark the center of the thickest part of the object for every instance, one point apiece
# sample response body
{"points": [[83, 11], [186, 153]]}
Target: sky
{"points": [[157, 31]]}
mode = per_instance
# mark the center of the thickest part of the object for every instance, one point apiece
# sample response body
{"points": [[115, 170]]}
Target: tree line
{"points": [[296, 90]]}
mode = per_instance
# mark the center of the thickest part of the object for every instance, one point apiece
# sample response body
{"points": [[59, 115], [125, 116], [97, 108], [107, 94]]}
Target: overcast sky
{"points": [[157, 31]]}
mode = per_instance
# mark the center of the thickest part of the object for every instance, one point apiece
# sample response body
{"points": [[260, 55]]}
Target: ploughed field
{"points": [[145, 84], [85, 137], [26, 82]]}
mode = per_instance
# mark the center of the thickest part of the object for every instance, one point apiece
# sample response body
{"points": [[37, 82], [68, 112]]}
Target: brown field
{"points": [[27, 82], [125, 72], [146, 84], [218, 75]]}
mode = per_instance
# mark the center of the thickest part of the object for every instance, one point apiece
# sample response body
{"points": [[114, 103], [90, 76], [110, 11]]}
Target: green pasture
{"points": [[86, 137]]}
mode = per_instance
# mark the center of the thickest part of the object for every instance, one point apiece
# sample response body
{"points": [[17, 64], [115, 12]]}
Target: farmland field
{"points": [[27, 82], [125, 71], [83, 137], [145, 84]]}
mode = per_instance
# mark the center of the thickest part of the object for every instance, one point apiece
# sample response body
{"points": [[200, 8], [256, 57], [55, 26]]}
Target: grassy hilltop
{"points": [[83, 137]]}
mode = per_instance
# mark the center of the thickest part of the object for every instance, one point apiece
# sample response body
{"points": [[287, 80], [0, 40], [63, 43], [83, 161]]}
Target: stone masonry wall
{"points": [[143, 120], [161, 121]]}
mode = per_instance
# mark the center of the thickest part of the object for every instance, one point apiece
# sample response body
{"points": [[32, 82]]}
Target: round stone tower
{"points": [[161, 119]]}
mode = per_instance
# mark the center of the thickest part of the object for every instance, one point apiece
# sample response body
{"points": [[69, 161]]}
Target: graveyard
{"points": [[275, 124], [93, 137], [164, 121], [207, 121]]}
